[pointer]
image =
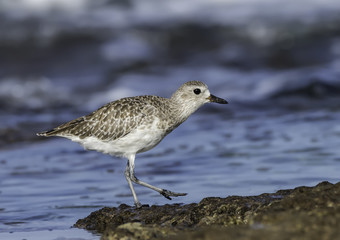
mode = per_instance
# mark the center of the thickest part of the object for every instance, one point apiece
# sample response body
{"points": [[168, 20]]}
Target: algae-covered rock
{"points": [[136, 230], [301, 213]]}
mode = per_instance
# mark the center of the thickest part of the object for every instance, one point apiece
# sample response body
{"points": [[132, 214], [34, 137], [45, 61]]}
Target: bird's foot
{"points": [[138, 205], [168, 194]]}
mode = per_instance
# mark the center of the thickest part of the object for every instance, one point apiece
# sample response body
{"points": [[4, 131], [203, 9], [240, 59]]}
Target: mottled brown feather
{"points": [[115, 119]]}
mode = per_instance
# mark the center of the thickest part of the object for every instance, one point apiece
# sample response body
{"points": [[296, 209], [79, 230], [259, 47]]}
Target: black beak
{"points": [[215, 99]]}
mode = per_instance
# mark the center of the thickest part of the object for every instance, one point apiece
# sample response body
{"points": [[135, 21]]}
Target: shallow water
{"points": [[280, 130], [49, 185]]}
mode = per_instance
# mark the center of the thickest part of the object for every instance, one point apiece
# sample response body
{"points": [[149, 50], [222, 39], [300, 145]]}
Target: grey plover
{"points": [[133, 125]]}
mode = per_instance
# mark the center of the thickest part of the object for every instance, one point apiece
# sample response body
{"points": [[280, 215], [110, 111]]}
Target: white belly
{"points": [[140, 140]]}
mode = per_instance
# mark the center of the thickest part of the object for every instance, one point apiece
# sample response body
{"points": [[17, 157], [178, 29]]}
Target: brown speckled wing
{"points": [[112, 121]]}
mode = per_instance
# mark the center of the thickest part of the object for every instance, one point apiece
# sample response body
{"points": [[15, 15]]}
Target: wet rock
{"points": [[302, 213]]}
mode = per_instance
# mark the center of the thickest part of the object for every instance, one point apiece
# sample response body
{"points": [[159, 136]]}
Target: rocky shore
{"points": [[300, 213]]}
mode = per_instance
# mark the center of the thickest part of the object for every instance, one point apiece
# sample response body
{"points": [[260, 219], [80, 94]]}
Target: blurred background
{"points": [[277, 63]]}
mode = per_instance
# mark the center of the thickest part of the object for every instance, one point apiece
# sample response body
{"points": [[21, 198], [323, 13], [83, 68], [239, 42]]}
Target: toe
{"points": [[167, 194], [138, 205]]}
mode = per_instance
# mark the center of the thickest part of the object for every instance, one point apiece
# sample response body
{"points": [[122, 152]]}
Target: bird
{"points": [[132, 125]]}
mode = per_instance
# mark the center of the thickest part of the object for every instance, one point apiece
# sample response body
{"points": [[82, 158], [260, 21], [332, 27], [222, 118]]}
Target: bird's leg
{"points": [[166, 193], [127, 176]]}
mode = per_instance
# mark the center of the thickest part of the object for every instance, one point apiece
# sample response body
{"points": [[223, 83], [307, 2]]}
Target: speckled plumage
{"points": [[117, 119], [135, 124]]}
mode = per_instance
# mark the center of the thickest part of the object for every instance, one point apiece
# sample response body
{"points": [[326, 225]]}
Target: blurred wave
{"points": [[67, 58], [65, 52], [276, 62]]}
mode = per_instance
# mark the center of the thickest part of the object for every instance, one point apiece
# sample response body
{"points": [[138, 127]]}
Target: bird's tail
{"points": [[62, 129], [49, 133], [41, 134]]}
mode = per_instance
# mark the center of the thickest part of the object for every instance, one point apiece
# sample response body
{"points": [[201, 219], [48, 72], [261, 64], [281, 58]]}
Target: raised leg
{"points": [[166, 193]]}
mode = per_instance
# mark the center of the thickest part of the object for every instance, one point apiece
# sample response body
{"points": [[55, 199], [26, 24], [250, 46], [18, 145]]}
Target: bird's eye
{"points": [[197, 91]]}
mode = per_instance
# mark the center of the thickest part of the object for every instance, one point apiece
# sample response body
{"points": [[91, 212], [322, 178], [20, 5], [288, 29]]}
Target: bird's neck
{"points": [[182, 109]]}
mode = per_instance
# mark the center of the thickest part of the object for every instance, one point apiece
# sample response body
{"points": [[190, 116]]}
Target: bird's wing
{"points": [[111, 121]]}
